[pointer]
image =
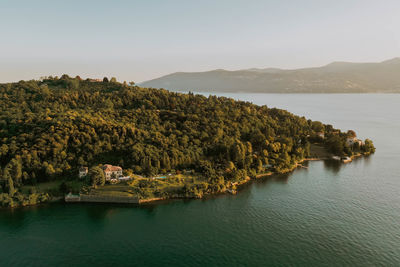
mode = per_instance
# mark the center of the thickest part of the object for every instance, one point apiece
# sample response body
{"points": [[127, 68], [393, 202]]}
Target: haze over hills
{"points": [[336, 77]]}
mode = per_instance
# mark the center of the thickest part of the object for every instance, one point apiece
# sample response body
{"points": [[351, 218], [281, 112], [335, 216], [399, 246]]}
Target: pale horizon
{"points": [[136, 41]]}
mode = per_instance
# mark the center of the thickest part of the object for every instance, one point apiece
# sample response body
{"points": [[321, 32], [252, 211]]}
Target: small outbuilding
{"points": [[83, 171], [124, 178], [352, 140], [321, 135]]}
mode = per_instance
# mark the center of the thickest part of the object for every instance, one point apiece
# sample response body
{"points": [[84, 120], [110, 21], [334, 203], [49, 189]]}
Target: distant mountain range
{"points": [[337, 77]]}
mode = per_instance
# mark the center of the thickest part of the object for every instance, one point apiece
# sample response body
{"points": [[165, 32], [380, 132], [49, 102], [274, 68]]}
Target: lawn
{"points": [[114, 190], [146, 187]]}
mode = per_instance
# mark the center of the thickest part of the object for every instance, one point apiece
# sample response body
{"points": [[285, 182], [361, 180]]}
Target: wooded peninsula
{"points": [[171, 145]]}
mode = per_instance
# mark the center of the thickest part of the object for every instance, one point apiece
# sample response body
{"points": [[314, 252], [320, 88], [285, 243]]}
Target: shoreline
{"points": [[233, 189], [248, 180], [238, 185]]}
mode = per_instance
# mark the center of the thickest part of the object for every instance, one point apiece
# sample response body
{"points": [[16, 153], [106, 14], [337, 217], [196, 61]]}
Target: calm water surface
{"points": [[327, 215]]}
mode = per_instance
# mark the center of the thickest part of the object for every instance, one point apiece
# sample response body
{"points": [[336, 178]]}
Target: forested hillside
{"points": [[337, 77], [49, 128]]}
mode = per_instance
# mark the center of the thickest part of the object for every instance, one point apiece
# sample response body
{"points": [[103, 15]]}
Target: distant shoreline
{"points": [[285, 93], [336, 77]]}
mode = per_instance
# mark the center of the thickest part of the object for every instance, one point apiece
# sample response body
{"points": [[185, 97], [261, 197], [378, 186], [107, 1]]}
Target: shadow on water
{"points": [[12, 218], [275, 178], [281, 178], [18, 218], [99, 212], [366, 159], [333, 166]]}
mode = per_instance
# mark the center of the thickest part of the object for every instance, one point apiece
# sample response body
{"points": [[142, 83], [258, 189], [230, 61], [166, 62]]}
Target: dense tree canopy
{"points": [[49, 128]]}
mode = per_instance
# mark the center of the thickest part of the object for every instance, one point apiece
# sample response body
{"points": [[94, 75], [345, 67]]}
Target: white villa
{"points": [[111, 171]]}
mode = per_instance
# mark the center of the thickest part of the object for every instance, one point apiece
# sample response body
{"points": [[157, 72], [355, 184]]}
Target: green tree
{"points": [[50, 170], [369, 146], [14, 168], [10, 187], [335, 144], [351, 133], [259, 166], [97, 175]]}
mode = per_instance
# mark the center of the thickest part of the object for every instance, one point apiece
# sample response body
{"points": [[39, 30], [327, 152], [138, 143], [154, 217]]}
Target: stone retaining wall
{"points": [[109, 199]]}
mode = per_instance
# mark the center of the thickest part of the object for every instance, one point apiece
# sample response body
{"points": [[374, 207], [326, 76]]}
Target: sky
{"points": [[141, 40]]}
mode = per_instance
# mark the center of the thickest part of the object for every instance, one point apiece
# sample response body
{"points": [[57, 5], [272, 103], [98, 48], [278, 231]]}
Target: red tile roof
{"points": [[111, 168]]}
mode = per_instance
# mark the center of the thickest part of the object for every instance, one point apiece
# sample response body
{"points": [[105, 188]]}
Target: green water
{"points": [[327, 215]]}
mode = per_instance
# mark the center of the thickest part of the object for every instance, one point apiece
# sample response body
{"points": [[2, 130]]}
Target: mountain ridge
{"points": [[335, 77]]}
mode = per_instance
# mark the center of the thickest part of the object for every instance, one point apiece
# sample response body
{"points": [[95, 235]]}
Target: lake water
{"points": [[327, 215]]}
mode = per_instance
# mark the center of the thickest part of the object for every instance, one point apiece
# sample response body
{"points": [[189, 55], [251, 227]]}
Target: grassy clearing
{"points": [[114, 190], [147, 187]]}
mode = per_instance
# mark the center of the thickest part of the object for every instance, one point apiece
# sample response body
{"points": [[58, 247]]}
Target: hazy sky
{"points": [[140, 40]]}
